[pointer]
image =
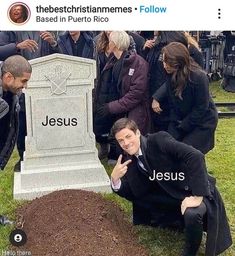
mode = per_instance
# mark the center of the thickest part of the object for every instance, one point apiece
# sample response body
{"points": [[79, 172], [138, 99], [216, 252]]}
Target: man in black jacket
{"points": [[30, 45], [14, 75], [77, 43], [167, 182]]}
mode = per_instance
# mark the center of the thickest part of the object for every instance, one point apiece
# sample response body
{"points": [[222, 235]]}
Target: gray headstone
{"points": [[60, 144]]}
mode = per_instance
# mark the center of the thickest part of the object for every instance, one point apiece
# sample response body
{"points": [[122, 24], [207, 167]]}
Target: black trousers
{"points": [[165, 212], [22, 127], [193, 220]]}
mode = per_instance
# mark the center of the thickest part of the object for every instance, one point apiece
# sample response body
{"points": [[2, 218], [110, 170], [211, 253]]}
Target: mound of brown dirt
{"points": [[77, 223]]}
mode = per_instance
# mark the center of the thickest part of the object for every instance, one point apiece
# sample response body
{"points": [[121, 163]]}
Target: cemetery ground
{"points": [[220, 162]]}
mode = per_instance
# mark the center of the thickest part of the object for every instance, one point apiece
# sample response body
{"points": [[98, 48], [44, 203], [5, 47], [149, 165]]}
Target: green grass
{"points": [[220, 95], [220, 162], [7, 204]]}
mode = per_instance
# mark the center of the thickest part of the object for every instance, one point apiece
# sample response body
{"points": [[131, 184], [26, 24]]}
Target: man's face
{"points": [[15, 84], [74, 33], [17, 13], [128, 140]]}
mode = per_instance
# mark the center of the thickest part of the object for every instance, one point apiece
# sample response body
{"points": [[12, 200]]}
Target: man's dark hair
{"points": [[122, 124], [16, 65], [24, 12]]}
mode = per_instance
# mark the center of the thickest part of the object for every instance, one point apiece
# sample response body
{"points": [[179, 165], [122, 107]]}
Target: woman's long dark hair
{"points": [[177, 56]]}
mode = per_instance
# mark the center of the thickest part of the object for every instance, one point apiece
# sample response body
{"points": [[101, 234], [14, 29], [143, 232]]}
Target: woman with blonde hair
{"points": [[121, 90], [103, 51]]}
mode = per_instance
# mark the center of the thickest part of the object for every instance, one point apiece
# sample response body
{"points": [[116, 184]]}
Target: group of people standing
{"points": [[158, 82], [162, 90], [152, 85], [161, 87]]}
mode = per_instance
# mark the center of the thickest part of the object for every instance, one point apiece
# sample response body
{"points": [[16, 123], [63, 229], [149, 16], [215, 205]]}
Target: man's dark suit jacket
{"points": [[163, 153]]}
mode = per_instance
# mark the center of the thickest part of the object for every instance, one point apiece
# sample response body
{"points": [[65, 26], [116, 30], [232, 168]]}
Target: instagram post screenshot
{"points": [[117, 128]]}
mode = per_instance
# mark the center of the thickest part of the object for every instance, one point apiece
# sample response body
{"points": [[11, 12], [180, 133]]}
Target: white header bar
{"points": [[122, 15]]}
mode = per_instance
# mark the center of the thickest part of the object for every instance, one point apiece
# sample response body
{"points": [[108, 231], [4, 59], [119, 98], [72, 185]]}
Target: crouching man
{"points": [[168, 184], [15, 72]]}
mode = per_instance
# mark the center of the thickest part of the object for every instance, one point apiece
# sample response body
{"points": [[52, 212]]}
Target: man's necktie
{"points": [[141, 162]]}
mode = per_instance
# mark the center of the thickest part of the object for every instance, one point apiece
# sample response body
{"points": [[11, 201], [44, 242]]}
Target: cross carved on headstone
{"points": [[58, 80]]}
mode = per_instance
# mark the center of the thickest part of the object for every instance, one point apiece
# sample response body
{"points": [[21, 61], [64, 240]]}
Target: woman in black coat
{"points": [[193, 116], [157, 73]]}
